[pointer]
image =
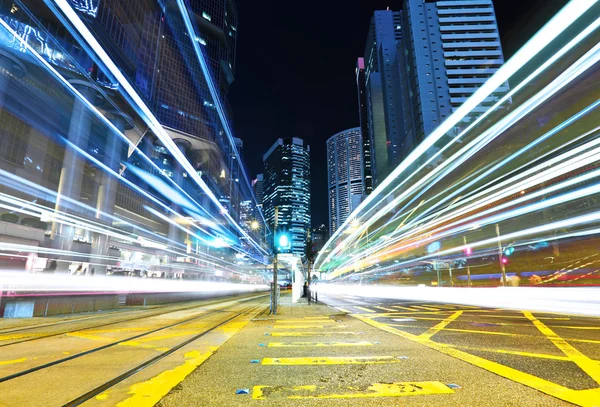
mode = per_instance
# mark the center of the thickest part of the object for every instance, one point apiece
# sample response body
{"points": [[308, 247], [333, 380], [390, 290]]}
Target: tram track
{"points": [[128, 339]]}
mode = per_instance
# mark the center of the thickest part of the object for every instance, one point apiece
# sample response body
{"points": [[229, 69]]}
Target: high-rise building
{"points": [[258, 185], [383, 87], [117, 111], [345, 178], [287, 187], [363, 115], [421, 64], [319, 236]]}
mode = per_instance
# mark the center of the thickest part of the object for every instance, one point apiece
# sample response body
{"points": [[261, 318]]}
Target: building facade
{"points": [[129, 135], [421, 64], [345, 175], [363, 115], [287, 187]]}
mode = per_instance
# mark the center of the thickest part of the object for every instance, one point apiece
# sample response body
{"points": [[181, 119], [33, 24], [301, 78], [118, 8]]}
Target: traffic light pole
{"points": [[274, 290], [502, 268]]}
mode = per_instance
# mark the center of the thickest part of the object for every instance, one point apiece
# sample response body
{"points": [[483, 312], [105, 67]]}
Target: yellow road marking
{"points": [[167, 336], [304, 322], [12, 362], [425, 308], [385, 309], [371, 391], [582, 340], [310, 326], [463, 330], [545, 386], [586, 364], [364, 309], [83, 335], [18, 336], [334, 360], [150, 392], [316, 344], [440, 326], [313, 333], [512, 352], [401, 307], [343, 310], [595, 328]]}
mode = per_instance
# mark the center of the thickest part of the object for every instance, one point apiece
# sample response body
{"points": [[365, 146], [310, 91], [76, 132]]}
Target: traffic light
{"points": [[283, 240]]}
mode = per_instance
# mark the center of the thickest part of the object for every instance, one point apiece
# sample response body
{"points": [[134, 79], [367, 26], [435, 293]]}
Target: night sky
{"points": [[295, 71]]}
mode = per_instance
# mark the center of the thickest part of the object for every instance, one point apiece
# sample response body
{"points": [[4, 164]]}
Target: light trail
{"points": [[523, 175], [70, 18], [580, 301], [557, 25]]}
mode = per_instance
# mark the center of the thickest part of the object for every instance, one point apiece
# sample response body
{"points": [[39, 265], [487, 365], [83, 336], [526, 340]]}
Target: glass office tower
{"points": [[345, 176], [116, 150], [287, 187]]}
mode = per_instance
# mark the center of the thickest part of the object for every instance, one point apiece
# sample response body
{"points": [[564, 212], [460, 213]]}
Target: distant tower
{"points": [[344, 175], [287, 186], [363, 115]]}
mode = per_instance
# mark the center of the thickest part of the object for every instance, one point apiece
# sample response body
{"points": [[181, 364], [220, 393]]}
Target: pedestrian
{"points": [[92, 271], [78, 269]]}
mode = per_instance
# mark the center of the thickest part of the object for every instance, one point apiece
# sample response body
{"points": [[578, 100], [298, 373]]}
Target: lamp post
{"points": [[274, 291]]}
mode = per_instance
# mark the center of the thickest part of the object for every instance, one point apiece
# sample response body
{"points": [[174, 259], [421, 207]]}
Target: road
{"points": [[353, 351], [101, 360]]}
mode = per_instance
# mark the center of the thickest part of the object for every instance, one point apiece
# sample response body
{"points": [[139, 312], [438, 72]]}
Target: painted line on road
{"points": [[464, 330], [385, 309], [512, 352], [404, 308], [365, 309], [310, 326], [440, 326], [343, 310], [317, 344], [150, 392], [586, 364], [12, 362], [313, 333], [588, 399], [426, 308], [371, 391], [333, 360]]}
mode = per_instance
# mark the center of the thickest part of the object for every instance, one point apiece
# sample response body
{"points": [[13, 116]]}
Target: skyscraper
{"points": [[287, 186], [118, 112], [258, 185], [344, 175], [363, 115], [421, 64]]}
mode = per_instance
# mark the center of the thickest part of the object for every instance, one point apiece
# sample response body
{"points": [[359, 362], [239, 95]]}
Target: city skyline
{"points": [[298, 111]]}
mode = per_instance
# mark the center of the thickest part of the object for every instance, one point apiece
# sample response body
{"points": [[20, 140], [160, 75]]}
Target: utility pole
{"points": [[274, 290], [502, 268], [469, 284], [308, 252]]}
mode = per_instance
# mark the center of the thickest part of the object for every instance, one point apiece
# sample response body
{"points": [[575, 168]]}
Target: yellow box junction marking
{"points": [[343, 310], [385, 309], [404, 308], [425, 308], [440, 326], [313, 333], [364, 309], [316, 344], [584, 398], [371, 391], [335, 360], [586, 364]]}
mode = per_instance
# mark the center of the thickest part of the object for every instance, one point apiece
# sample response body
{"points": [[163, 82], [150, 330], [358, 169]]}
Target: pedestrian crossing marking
{"points": [[333, 360], [313, 333], [345, 392], [316, 344]]}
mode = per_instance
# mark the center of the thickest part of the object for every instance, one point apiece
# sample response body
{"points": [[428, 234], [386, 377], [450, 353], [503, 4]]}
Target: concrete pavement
{"points": [[319, 355]]}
